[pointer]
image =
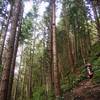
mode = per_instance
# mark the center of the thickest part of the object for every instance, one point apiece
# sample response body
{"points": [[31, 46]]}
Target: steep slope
{"points": [[86, 90]]}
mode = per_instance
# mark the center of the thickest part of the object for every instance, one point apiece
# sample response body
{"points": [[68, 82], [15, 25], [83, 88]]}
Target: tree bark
{"points": [[8, 53], [68, 39], [3, 35], [18, 78], [96, 18], [15, 53], [55, 65]]}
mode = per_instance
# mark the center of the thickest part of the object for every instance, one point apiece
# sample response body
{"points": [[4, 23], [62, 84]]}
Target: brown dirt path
{"points": [[86, 90]]}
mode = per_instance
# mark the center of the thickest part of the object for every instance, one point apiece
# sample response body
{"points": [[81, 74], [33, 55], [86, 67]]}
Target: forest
{"points": [[49, 49]]}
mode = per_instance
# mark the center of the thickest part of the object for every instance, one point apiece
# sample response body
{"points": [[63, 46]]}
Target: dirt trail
{"points": [[86, 90], [82, 87]]}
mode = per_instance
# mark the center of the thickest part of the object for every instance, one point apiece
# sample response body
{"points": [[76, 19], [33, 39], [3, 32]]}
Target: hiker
{"points": [[89, 70]]}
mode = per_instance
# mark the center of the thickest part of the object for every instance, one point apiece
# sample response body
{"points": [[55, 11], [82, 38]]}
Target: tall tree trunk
{"points": [[55, 65], [49, 81], [30, 83], [68, 39], [4, 26], [18, 78], [49, 48], [96, 18], [30, 77], [4, 33], [15, 53], [8, 53]]}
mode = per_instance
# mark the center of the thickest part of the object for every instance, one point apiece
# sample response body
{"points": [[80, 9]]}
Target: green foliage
{"points": [[37, 55], [69, 83], [95, 52], [50, 95], [96, 78], [96, 69], [66, 87], [26, 29], [39, 93], [96, 62]]}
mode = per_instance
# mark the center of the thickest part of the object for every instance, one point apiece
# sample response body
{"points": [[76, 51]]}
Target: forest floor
{"points": [[85, 90]]}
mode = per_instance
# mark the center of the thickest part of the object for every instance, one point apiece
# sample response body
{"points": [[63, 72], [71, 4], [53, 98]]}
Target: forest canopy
{"points": [[49, 49]]}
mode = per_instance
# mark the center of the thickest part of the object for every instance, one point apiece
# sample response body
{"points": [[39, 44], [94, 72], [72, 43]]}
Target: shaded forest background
{"points": [[42, 58]]}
